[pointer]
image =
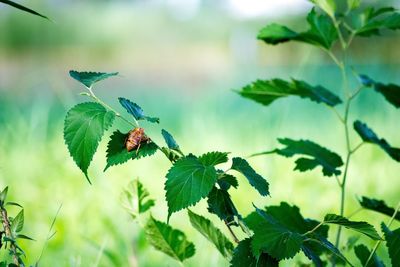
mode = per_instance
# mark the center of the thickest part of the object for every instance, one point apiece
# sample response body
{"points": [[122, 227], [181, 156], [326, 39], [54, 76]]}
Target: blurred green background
{"points": [[180, 60]]}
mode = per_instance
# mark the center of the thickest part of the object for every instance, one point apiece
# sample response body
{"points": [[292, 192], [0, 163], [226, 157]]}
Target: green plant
{"points": [[23, 8]]}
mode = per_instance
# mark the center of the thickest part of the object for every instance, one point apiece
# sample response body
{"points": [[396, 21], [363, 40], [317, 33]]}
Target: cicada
{"points": [[135, 138]]}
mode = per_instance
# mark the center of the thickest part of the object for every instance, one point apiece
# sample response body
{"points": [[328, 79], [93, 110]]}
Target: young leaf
{"points": [[84, 127], [317, 156], [378, 206], [225, 181], [213, 158], [136, 199], [136, 111], [392, 243], [23, 8], [188, 181], [256, 180], [169, 140], [89, 78], [374, 21], [369, 136], [362, 253], [18, 222], [328, 6], [118, 154], [267, 91], [168, 240], [243, 256], [3, 196], [213, 234], [361, 227], [220, 203], [25, 237], [390, 91]]}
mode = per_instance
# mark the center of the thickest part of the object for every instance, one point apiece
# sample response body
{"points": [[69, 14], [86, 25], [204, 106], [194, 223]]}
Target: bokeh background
{"points": [[180, 60]]}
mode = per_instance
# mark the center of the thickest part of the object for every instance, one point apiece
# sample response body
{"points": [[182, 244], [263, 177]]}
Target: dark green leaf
{"points": [[23, 8], [169, 140], [10, 203], [3, 196], [267, 91], [25, 237], [225, 181], [334, 250], [136, 111], [390, 91], [136, 199], [370, 137], [362, 253], [256, 180], [213, 158], [361, 227], [168, 240], [378, 206], [118, 154], [243, 256], [275, 34], [319, 156], [18, 222], [84, 127], [220, 204], [213, 234], [89, 78], [393, 244], [188, 181]]}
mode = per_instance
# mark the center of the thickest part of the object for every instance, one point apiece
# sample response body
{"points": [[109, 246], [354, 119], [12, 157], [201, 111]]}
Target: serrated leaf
{"points": [[225, 181], [23, 8], [213, 158], [168, 240], [390, 91], [136, 111], [213, 234], [316, 156], [392, 243], [267, 91], [188, 181], [88, 78], [136, 199], [243, 256], [84, 127], [378, 206], [18, 222], [118, 154], [361, 227], [256, 180], [334, 250], [3, 196], [220, 203], [362, 253], [369, 136], [169, 140]]}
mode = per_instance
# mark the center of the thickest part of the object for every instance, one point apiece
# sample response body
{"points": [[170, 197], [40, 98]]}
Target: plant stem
{"points": [[7, 230], [231, 232]]}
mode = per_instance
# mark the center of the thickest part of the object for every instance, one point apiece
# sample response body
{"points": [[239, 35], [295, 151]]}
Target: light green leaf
{"points": [[89, 78], [213, 158], [3, 196], [256, 180], [373, 21], [168, 240], [393, 244], [243, 256], [213, 234], [361, 227], [136, 111], [220, 203], [329, 6], [369, 136], [136, 199], [118, 154], [362, 253], [84, 127], [378, 206], [390, 91], [188, 181], [23, 8], [18, 223], [267, 91]]}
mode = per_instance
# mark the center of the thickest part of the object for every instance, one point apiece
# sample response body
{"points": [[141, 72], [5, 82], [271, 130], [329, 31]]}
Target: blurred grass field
{"points": [[184, 70]]}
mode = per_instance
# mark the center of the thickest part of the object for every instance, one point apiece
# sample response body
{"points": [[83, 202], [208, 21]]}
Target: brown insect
{"points": [[135, 138]]}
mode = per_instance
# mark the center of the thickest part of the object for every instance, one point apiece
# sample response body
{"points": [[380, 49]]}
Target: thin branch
{"points": [[231, 232]]}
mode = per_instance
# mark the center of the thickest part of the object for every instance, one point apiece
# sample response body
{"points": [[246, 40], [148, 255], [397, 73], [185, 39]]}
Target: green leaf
{"points": [[136, 199], [23, 8], [317, 156], [169, 140], [89, 78], [25, 237], [372, 22], [275, 34], [84, 127], [267, 91], [213, 158], [136, 111], [378, 206], [390, 91], [118, 154], [362, 253], [361, 227], [369, 136], [334, 250], [3, 196], [18, 222], [220, 203], [392, 243], [256, 180], [243, 256], [188, 181], [328, 6], [213, 234], [225, 181], [168, 240]]}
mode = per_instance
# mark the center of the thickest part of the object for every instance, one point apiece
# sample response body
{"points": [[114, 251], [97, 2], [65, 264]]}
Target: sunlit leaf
{"points": [[3, 196], [17, 223], [329, 6], [363, 253], [392, 243], [136, 111], [89, 78], [136, 199], [378, 206], [23, 8], [390, 91], [243, 256]]}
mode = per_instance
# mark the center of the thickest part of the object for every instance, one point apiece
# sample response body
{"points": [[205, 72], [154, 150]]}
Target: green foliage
{"points": [[136, 199], [361, 227], [213, 158], [225, 181], [23, 8], [378, 206], [220, 203], [84, 127], [393, 244], [18, 223], [169, 140], [136, 111], [89, 78], [3, 196], [362, 253], [118, 154], [372, 21], [370, 136], [391, 92], [213, 234], [168, 240], [243, 256], [267, 91]]}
